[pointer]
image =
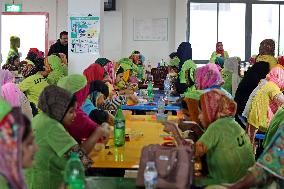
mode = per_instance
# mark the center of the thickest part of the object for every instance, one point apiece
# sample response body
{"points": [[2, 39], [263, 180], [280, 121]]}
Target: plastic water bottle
{"points": [[74, 174], [161, 106], [119, 128], [150, 175], [167, 86]]}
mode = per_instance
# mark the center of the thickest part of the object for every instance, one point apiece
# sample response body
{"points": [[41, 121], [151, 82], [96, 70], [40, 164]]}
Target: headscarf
{"points": [[10, 147], [102, 61], [232, 65], [76, 84], [29, 70], [281, 60], [59, 69], [109, 68], [5, 77], [94, 72], [267, 47], [216, 104], [126, 64], [249, 82], [272, 157], [218, 51], [184, 53], [12, 94], [208, 76], [54, 101], [276, 75]]}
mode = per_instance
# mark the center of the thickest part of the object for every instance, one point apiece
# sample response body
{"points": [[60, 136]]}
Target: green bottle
{"points": [[74, 174], [119, 128], [150, 91]]}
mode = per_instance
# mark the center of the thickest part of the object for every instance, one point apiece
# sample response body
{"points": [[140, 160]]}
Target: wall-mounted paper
{"points": [[150, 29], [85, 32]]}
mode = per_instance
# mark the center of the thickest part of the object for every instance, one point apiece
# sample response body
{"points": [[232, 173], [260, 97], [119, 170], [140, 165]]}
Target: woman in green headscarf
{"points": [[58, 68]]}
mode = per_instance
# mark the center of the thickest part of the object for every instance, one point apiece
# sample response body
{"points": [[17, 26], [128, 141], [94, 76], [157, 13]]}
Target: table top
{"points": [[153, 105], [128, 156]]}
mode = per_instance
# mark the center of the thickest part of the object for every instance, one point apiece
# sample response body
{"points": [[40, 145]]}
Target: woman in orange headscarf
{"points": [[224, 141]]}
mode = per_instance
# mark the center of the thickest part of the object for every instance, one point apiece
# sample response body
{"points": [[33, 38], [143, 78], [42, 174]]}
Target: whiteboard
{"points": [[150, 29]]}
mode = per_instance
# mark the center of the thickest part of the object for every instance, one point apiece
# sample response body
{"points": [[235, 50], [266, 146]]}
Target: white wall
{"points": [[118, 35]]}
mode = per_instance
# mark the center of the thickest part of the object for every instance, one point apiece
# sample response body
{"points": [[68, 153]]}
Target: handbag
{"points": [[174, 166]]}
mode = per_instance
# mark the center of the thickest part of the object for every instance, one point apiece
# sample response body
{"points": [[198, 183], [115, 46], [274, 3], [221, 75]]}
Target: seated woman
{"points": [[96, 72], [82, 126], [33, 84], [249, 82], [265, 102], [97, 94], [108, 68], [219, 55], [54, 143], [206, 78], [230, 74], [267, 53], [12, 94], [227, 147], [17, 147], [58, 67], [12, 63], [137, 58], [268, 170]]}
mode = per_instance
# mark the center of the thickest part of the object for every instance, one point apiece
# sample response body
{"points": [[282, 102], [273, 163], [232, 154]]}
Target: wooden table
{"points": [[128, 156]]}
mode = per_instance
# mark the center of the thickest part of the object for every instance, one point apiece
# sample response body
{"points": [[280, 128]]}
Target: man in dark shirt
{"points": [[61, 46]]}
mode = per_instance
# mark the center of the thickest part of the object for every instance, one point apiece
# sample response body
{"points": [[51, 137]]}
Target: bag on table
{"points": [[174, 165]]}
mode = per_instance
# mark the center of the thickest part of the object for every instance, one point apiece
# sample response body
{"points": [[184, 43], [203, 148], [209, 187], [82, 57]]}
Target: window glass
{"points": [[265, 25], [281, 51], [231, 29], [203, 29]]}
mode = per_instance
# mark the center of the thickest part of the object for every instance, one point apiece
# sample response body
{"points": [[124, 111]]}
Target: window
{"points": [[241, 25], [203, 29], [281, 49], [231, 31], [265, 25]]}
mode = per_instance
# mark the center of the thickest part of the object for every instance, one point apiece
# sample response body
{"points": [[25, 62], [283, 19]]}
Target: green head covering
{"points": [[102, 61], [126, 64], [5, 108], [55, 62], [174, 62], [72, 83], [14, 42], [188, 65]]}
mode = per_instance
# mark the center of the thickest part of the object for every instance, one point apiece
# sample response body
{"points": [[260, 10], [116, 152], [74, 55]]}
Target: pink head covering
{"points": [[6, 77], [208, 76], [276, 75], [12, 94], [109, 68]]}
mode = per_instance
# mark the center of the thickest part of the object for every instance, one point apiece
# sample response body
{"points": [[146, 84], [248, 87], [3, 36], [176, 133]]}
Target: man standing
{"points": [[61, 46]]}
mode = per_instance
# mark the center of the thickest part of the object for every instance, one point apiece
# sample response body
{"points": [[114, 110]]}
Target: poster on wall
{"points": [[85, 32], [150, 29]]}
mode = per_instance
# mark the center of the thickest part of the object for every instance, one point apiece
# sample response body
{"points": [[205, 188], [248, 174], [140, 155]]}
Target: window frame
{"points": [[248, 22]]}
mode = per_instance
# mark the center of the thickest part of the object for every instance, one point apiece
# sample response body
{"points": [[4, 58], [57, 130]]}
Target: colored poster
{"points": [[85, 32]]}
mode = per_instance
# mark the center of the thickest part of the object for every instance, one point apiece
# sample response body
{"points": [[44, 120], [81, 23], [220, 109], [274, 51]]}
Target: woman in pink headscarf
{"points": [[209, 77], [12, 94]]}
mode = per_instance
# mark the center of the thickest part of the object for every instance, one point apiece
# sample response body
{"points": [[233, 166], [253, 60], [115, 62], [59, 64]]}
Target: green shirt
{"points": [[3, 183], [53, 142], [230, 152], [33, 86]]}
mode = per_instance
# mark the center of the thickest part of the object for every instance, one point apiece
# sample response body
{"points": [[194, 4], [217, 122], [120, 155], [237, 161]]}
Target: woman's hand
{"points": [[133, 98], [110, 119], [63, 58], [170, 127]]}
